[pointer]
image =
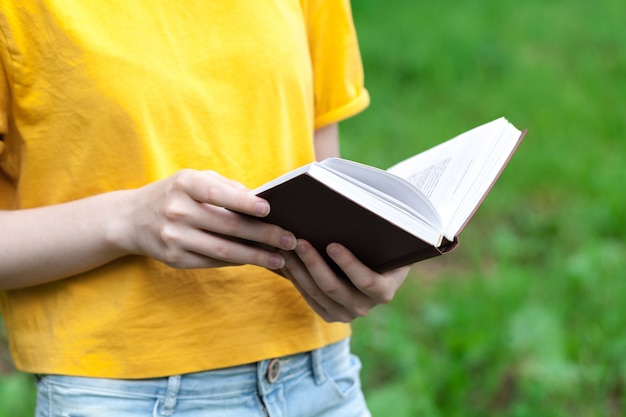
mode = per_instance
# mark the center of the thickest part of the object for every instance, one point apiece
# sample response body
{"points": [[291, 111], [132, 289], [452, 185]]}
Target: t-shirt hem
{"points": [[161, 366]]}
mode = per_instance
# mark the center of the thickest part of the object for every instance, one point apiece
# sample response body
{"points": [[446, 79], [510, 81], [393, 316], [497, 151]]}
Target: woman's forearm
{"points": [[48, 243]]}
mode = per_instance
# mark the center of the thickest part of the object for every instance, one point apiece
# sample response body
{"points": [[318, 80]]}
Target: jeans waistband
{"points": [[323, 382]]}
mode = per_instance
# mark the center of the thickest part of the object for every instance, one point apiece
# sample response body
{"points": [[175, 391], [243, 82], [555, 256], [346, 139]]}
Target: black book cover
{"points": [[315, 212]]}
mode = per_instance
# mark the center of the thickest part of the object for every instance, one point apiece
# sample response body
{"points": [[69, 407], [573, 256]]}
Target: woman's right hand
{"points": [[192, 220]]}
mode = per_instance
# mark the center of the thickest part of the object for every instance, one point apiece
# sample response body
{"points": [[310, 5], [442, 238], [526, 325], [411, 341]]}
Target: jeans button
{"points": [[273, 370]]}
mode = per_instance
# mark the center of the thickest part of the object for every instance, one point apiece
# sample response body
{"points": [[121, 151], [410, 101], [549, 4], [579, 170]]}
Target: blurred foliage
{"points": [[525, 317], [17, 395]]}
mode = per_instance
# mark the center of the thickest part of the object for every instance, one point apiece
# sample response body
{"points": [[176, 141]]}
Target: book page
{"points": [[500, 151], [391, 188], [453, 174]]}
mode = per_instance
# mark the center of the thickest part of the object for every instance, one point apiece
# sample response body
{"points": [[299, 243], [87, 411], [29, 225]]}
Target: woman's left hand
{"points": [[330, 295]]}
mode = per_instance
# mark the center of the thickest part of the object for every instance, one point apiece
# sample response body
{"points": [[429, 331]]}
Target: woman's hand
{"points": [[192, 220], [331, 296]]}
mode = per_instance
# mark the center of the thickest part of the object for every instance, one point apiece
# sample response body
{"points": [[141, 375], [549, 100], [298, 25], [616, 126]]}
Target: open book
{"points": [[413, 211]]}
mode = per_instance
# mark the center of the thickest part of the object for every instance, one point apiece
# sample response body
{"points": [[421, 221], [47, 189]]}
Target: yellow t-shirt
{"points": [[100, 96]]}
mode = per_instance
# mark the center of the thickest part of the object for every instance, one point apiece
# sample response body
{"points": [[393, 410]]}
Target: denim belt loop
{"points": [[171, 395], [316, 365]]}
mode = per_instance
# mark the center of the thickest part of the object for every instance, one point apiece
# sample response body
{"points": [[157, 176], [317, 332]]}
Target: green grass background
{"points": [[528, 316]]}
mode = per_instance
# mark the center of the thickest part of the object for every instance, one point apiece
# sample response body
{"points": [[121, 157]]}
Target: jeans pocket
{"points": [[346, 378], [64, 400]]}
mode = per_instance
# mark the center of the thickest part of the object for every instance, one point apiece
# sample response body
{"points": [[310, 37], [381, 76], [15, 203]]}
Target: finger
{"points": [[379, 287], [185, 248], [228, 223], [317, 307], [239, 253], [192, 260], [211, 187], [225, 222], [323, 305], [337, 289]]}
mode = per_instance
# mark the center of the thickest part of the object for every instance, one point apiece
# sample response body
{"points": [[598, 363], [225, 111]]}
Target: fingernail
{"points": [[276, 262], [288, 242], [333, 250], [300, 248], [262, 208]]}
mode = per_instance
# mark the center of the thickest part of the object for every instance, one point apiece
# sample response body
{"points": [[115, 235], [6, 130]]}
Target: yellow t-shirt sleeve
{"points": [[339, 90]]}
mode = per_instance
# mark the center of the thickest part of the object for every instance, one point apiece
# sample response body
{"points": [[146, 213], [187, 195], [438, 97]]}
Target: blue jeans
{"points": [[321, 383]]}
